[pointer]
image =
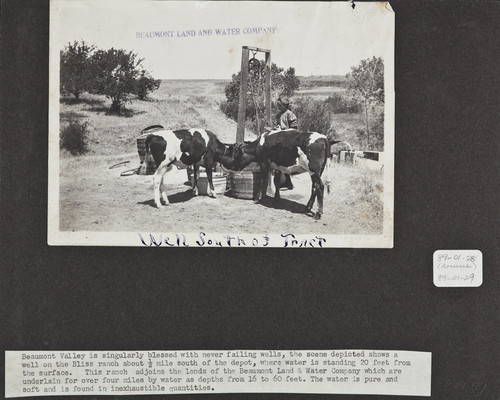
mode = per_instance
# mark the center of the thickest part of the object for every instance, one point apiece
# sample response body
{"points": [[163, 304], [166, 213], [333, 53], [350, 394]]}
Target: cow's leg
{"points": [[210, 186], [262, 189], [310, 203], [158, 177], [162, 189], [320, 189], [288, 182], [277, 184], [196, 173]]}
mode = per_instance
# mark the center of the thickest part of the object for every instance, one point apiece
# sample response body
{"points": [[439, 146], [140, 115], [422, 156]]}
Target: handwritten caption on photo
{"points": [[206, 32], [285, 240], [49, 373]]}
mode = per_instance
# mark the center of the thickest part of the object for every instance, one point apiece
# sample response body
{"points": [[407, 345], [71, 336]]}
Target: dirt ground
{"points": [[101, 200]]}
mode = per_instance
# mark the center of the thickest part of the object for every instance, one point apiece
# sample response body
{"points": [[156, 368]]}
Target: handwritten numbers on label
{"points": [[458, 268]]}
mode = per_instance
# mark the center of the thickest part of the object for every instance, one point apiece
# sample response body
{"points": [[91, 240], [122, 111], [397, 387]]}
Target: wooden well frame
{"points": [[242, 106]]}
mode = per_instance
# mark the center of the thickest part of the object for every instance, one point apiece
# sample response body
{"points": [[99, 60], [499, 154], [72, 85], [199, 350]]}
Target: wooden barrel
{"points": [[141, 147], [245, 184]]}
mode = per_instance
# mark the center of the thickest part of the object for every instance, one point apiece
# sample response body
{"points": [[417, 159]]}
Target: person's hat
{"points": [[284, 101]]}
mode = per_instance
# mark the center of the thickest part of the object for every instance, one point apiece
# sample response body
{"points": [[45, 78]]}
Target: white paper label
{"points": [[381, 372], [458, 268]]}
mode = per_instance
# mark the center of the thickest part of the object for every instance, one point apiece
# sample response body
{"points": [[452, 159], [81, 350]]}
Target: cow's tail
{"points": [[328, 179], [327, 171]]}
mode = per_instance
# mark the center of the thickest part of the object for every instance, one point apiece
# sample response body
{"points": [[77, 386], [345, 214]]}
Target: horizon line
{"points": [[228, 79]]}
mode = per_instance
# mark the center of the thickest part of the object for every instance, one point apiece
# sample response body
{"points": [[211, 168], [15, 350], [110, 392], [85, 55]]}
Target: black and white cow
{"points": [[183, 148], [285, 151]]}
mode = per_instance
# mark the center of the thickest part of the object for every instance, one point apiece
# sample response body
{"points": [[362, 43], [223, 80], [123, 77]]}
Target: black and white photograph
{"points": [[221, 124]]}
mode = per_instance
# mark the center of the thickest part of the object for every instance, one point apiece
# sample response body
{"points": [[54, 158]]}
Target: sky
{"points": [[315, 38]]}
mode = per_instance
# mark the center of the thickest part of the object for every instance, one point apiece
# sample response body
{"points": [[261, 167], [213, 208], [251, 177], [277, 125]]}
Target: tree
{"points": [[313, 115], [366, 83], [74, 68], [146, 84], [286, 82], [115, 73], [283, 83]]}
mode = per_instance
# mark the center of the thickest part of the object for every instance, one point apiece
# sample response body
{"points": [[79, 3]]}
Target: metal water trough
{"points": [[219, 180]]}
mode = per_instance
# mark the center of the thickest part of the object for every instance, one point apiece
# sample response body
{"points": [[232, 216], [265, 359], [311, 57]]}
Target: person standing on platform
{"points": [[286, 119]]}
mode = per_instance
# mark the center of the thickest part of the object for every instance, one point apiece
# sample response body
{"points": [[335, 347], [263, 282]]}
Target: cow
{"points": [[285, 151], [183, 148]]}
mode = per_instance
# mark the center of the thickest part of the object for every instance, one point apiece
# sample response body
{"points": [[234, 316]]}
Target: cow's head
{"points": [[236, 157]]}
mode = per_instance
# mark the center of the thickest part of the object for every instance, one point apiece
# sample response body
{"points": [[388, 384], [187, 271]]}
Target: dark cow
{"points": [[183, 148], [286, 151]]}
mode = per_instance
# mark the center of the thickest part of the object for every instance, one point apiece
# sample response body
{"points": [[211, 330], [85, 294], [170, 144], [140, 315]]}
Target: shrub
{"points": [[74, 137], [342, 104], [230, 108], [313, 115], [146, 84]]}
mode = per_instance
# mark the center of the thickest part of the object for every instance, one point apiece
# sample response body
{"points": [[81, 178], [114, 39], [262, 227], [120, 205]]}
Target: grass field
{"points": [[96, 198], [319, 92], [175, 105]]}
